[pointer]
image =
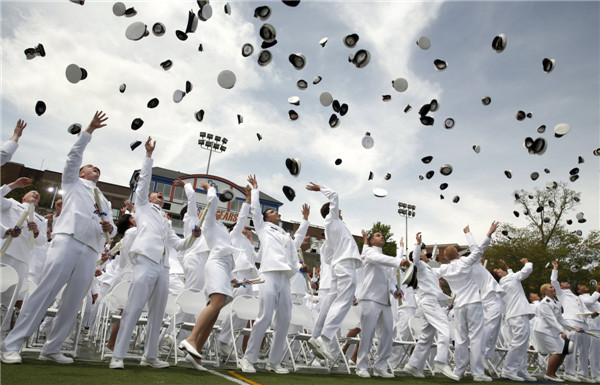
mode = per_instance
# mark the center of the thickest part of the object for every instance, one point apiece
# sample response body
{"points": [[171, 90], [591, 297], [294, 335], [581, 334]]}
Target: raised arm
{"points": [[477, 251], [303, 228], [191, 216], [525, 271], [330, 194], [257, 216], [243, 214], [8, 149], [554, 282], [75, 155], [143, 187]]}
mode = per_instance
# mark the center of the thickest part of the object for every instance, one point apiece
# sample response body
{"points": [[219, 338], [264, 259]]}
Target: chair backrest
{"points": [[415, 324], [171, 302], [224, 313], [117, 298], [245, 307], [302, 316], [8, 277], [351, 321], [191, 301]]}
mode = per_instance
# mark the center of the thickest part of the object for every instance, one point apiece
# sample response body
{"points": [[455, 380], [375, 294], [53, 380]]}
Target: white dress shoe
{"points": [[186, 346], [56, 357], [571, 378], [446, 371], [555, 379], [362, 373], [116, 363], [589, 380], [382, 373], [324, 348], [482, 378], [315, 348], [12, 357], [276, 368], [190, 360], [511, 376], [155, 363], [413, 371], [247, 366], [527, 377]]}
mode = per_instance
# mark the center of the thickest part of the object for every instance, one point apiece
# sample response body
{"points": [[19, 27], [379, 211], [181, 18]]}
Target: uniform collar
{"points": [[88, 183]]}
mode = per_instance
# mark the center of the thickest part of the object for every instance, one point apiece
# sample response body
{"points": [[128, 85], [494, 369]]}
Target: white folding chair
{"points": [[8, 278], [114, 301], [34, 344], [351, 320], [302, 317], [245, 307], [190, 301]]}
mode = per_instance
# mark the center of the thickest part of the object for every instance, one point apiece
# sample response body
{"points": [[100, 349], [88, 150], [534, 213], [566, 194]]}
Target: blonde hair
{"points": [[544, 288], [450, 252]]}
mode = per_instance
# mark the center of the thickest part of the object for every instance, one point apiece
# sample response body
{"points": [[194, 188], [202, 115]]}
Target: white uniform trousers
{"points": [[435, 322], [515, 361], [375, 316], [405, 313], [321, 297], [468, 321], [150, 283], [338, 301], [225, 335], [68, 262], [274, 297], [21, 269], [577, 362], [595, 356], [193, 268], [492, 316]]}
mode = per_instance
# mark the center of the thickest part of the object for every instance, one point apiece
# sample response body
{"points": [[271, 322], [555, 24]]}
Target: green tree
{"points": [[547, 237], [390, 246]]}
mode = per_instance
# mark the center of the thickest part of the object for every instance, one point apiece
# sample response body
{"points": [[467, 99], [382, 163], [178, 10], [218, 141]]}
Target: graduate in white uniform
{"points": [[325, 254], [591, 302], [344, 262], [550, 334], [245, 268], [7, 150], [491, 299], [518, 313], [279, 263], [376, 308], [468, 310], [71, 260], [428, 295], [194, 257], [19, 253], [219, 278], [149, 255], [576, 364]]}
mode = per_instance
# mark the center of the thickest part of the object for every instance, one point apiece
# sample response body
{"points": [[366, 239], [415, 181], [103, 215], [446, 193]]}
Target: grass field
{"points": [[36, 372]]}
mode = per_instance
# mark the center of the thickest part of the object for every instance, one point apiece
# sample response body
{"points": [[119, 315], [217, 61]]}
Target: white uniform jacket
{"points": [[153, 230], [378, 282], [339, 237], [278, 249], [548, 318], [215, 232], [428, 283], [245, 259], [591, 302], [80, 217], [459, 275], [571, 303], [514, 298], [10, 212], [7, 151], [486, 282], [190, 219]]}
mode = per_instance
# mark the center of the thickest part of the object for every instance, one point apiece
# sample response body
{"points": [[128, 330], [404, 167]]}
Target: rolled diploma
{"points": [[100, 211]]}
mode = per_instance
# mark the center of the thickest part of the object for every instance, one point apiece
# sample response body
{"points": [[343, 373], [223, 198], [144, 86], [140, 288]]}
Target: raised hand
{"points": [[313, 187], [97, 121], [419, 238], [252, 181], [20, 183], [179, 183], [466, 230], [305, 211], [18, 130], [493, 228], [150, 147]]}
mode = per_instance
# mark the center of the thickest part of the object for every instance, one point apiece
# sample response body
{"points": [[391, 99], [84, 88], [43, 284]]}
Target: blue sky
{"points": [[460, 32]]}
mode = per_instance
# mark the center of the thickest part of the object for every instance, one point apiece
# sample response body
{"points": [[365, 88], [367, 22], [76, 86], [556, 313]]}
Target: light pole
{"points": [[407, 211], [55, 190], [212, 143]]}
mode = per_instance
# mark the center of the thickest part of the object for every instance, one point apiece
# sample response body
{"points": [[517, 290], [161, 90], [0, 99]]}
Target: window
{"points": [[115, 214], [236, 205], [179, 193]]}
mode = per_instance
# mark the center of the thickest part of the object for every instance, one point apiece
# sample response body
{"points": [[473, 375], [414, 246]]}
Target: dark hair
{"points": [[265, 214], [495, 275], [123, 223], [183, 211], [325, 210]]}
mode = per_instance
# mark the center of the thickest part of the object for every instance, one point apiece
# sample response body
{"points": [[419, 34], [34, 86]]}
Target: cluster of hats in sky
{"points": [[359, 57]]}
